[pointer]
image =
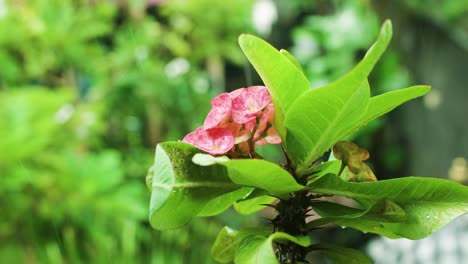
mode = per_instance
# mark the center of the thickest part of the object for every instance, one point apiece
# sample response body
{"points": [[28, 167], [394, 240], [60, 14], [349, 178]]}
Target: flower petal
{"points": [[220, 110], [265, 120], [248, 103], [212, 140], [191, 137], [271, 137]]}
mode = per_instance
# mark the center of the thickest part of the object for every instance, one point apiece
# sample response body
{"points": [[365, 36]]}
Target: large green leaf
{"points": [[283, 78], [180, 188], [382, 211], [321, 117], [225, 245], [341, 255], [259, 249], [429, 203], [384, 103], [256, 173]]}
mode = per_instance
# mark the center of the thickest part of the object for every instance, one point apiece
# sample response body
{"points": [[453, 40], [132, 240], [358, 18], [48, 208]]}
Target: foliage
{"points": [[330, 41], [310, 122], [85, 89], [50, 183]]}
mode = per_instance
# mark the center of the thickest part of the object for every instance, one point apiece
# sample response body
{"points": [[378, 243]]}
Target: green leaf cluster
{"points": [[187, 183]]}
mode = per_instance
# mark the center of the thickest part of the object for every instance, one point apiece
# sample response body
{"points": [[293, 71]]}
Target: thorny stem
{"points": [[291, 219]]}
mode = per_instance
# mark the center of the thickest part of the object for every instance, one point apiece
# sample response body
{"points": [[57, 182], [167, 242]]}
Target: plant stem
{"points": [[291, 219]]}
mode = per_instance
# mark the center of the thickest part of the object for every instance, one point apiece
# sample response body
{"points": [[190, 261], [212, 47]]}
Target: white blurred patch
{"points": [[433, 99], [141, 53], [88, 118], [64, 113], [177, 67], [306, 46], [264, 14], [3, 9], [201, 85], [459, 170], [346, 22]]}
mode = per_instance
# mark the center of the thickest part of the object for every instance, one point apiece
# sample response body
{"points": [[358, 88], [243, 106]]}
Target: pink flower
{"points": [[220, 110], [243, 117], [237, 92], [271, 136], [250, 125], [265, 120], [265, 132], [215, 141], [248, 103]]}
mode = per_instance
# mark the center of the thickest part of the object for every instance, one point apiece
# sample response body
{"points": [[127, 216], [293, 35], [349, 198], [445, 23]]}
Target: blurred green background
{"points": [[88, 88]]}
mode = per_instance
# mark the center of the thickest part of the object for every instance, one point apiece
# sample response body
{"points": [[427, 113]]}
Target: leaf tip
{"points": [[425, 88], [244, 38], [387, 26]]}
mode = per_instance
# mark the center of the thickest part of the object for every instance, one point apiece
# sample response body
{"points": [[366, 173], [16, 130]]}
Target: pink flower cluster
{"points": [[237, 122]]}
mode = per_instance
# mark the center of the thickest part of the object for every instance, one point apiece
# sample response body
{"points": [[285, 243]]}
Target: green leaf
{"points": [[291, 58], [429, 203], [221, 203], [384, 103], [321, 117], [203, 159], [260, 174], [180, 188], [282, 77], [316, 120], [259, 249], [252, 205], [342, 255], [149, 178], [383, 211], [225, 245], [332, 166]]}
